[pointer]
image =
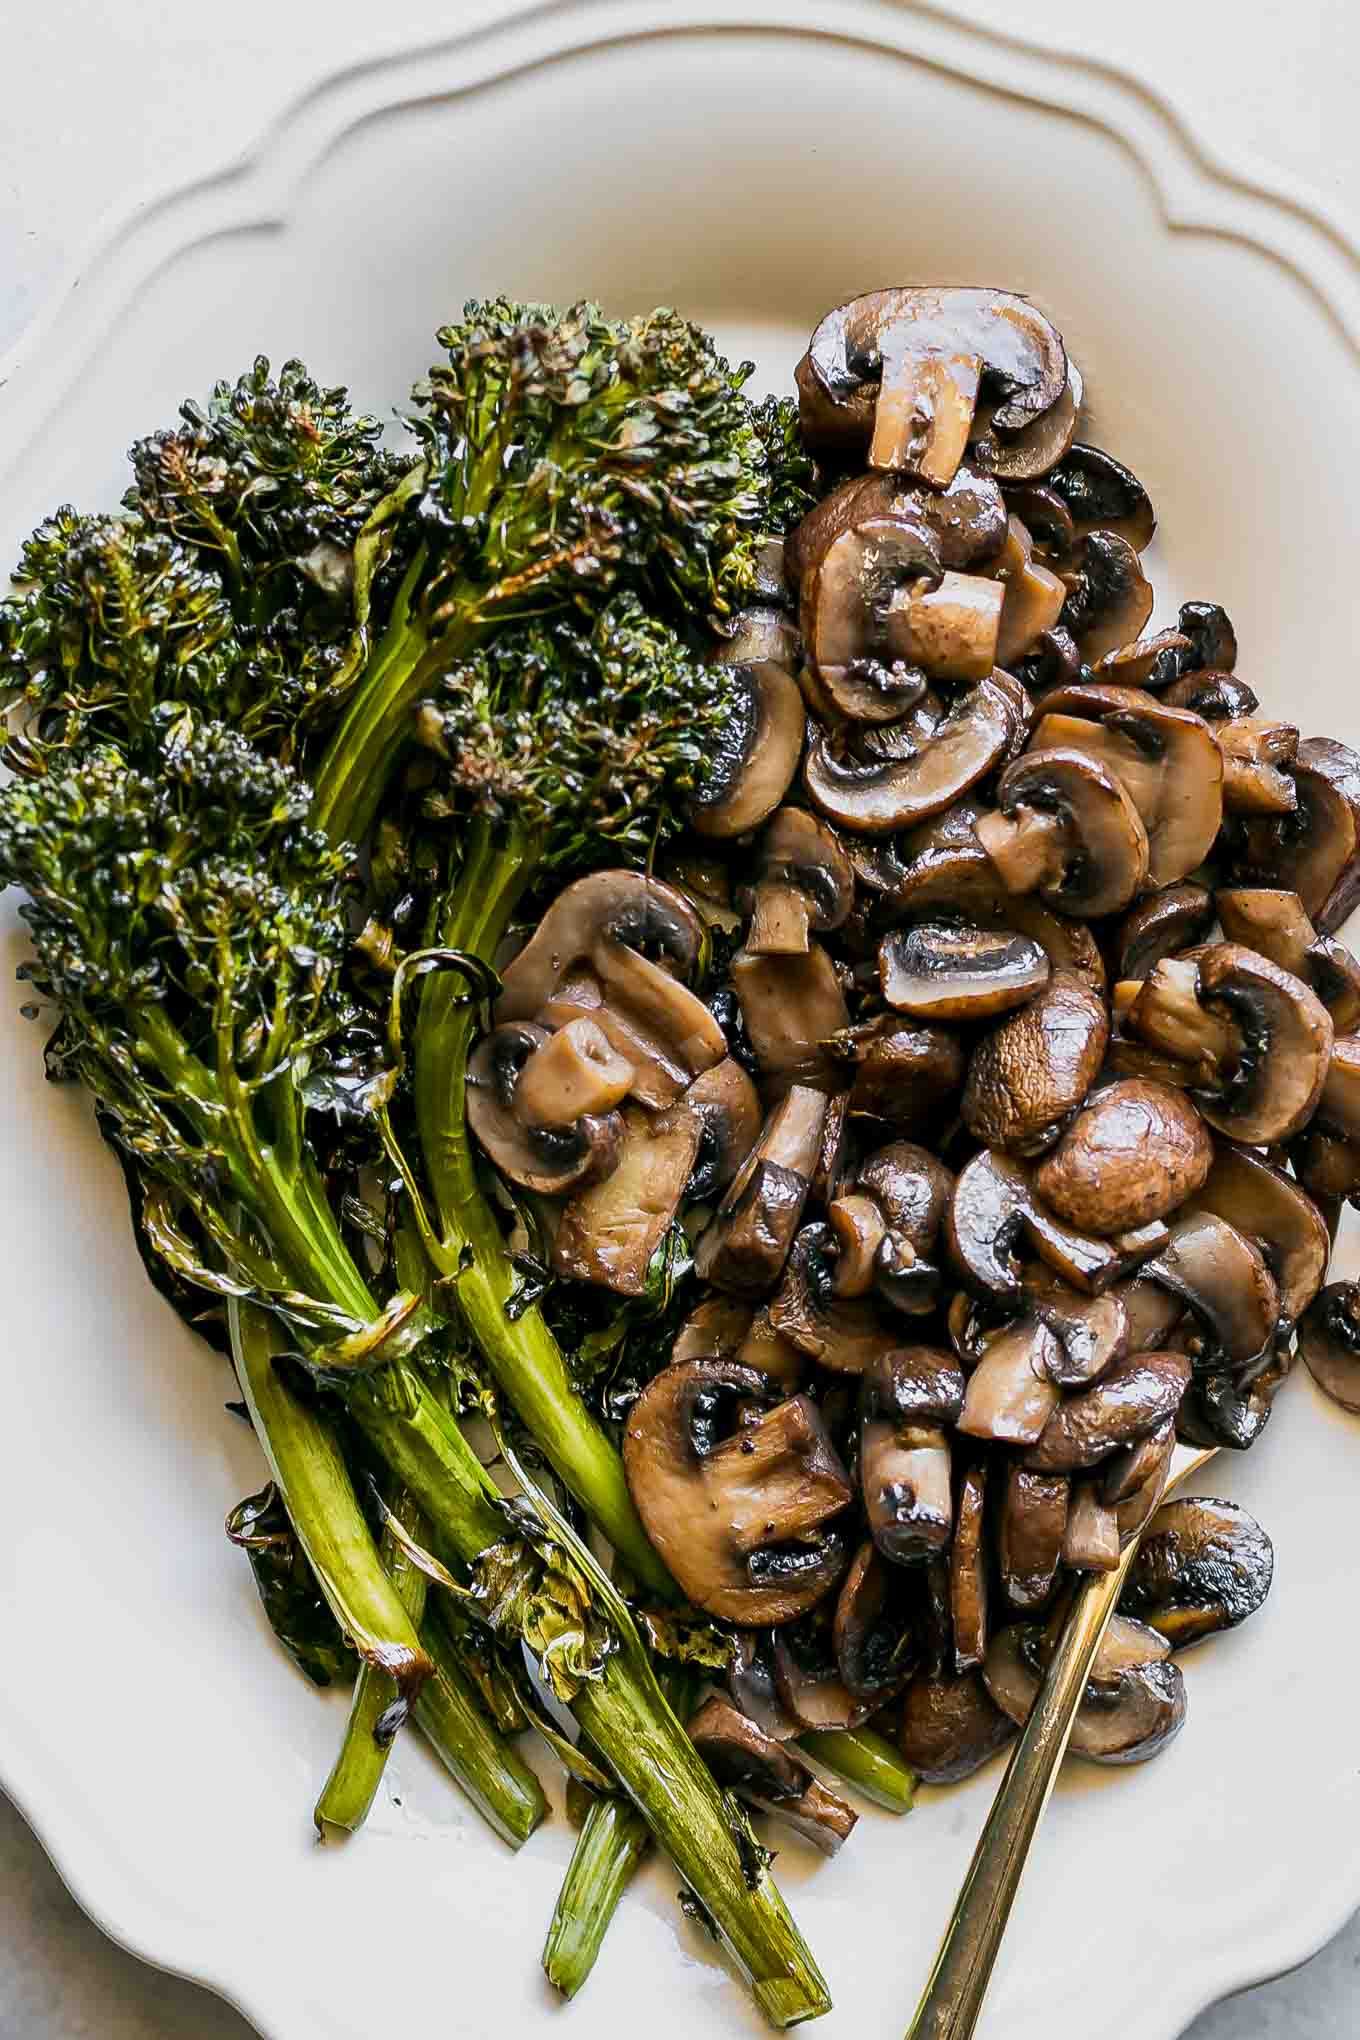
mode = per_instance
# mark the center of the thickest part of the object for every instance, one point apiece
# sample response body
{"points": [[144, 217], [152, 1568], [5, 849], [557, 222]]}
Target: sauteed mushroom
{"points": [[951, 1726], [769, 1775], [1027, 1076], [1135, 1698], [1223, 1276], [548, 1159], [1169, 765], [1273, 923], [1133, 1153], [881, 795], [748, 1240], [1329, 1340], [940, 970], [804, 885], [1165, 923], [1315, 851], [1203, 1566], [752, 767], [1064, 827], [1103, 495], [966, 521], [1109, 597]]}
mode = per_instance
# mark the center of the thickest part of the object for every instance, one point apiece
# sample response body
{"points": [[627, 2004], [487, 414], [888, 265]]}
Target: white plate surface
{"points": [[752, 174]]}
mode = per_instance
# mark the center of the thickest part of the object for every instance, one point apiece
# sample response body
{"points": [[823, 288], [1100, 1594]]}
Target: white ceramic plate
{"points": [[753, 175]]}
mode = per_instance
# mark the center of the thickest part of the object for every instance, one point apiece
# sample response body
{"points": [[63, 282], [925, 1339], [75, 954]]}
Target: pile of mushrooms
{"points": [[1012, 1141]]}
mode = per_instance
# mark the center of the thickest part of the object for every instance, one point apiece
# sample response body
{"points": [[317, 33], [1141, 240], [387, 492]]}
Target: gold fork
{"points": [[952, 2002]]}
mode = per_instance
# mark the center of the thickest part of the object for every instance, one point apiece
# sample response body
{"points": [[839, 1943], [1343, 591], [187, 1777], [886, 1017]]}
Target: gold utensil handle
{"points": [[958, 1983]]}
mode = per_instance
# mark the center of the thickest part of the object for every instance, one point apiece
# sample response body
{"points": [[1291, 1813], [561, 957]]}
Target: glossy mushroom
{"points": [[1169, 765], [942, 970], [951, 1726], [1329, 1342], [755, 754], [1224, 1278], [1134, 1152], [747, 1241], [550, 1159], [1135, 1697], [1202, 1566], [1029, 1074], [881, 795], [1315, 851], [769, 1776], [803, 885], [1101, 494], [1064, 827]]}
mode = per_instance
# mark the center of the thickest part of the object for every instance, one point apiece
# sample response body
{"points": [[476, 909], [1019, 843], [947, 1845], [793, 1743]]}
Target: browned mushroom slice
{"points": [[1109, 597], [951, 631], [1328, 1167], [1092, 1331], [660, 1073], [1218, 697], [1031, 452], [609, 1231], [938, 865], [940, 970], [857, 1233], [746, 1244], [724, 1102], [832, 1156], [808, 1676], [1273, 923], [968, 1571], [1027, 1076], [1147, 663], [1134, 1153], [993, 1204], [1034, 597], [751, 764], [1266, 1206], [966, 521], [902, 1074], [919, 1384], [902, 371], [714, 1330], [608, 911], [1329, 1340], [904, 1468], [876, 1641], [548, 1159], [1127, 1472], [1045, 517], [1132, 1514], [1153, 1312], [857, 595], [751, 1685], [744, 1521], [1093, 700], [874, 798], [575, 1072], [1132, 1398], [769, 1776], [1339, 1105], [1171, 768], [791, 1006], [762, 634], [1064, 827], [804, 885], [951, 1726], [1011, 1393], [1316, 849], [1203, 1566], [1031, 1530], [1135, 1697], [1174, 918], [842, 1335], [1257, 755], [1091, 1536], [911, 1187], [1101, 494]]}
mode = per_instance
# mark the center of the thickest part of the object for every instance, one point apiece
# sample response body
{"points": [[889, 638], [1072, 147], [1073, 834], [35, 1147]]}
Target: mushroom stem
{"points": [[1028, 849], [781, 920]]}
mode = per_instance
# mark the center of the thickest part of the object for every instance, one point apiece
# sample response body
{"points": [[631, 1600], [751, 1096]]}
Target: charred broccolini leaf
{"points": [[289, 1594]]}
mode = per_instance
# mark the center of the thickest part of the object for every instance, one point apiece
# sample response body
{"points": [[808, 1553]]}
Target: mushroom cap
{"points": [[1218, 697], [951, 1726], [1133, 1397], [843, 1335], [876, 1642], [1111, 599], [745, 1523], [1031, 452], [1329, 1340], [901, 369], [911, 1187], [1012, 1393], [1170, 766], [1032, 1530], [1174, 918], [610, 1228], [1268, 1207], [1149, 662], [1027, 1075], [1101, 858], [548, 1159], [856, 594], [1102, 494], [902, 1074], [1316, 849], [874, 798], [1127, 1716], [914, 1384], [764, 632], [769, 1775], [1287, 1035], [966, 521], [1133, 1153], [993, 1204], [1202, 1566], [725, 1103], [1210, 631], [905, 1476], [747, 1241], [1092, 1332], [1045, 517], [1034, 597], [751, 1685], [1223, 1276], [755, 755], [801, 867], [943, 970], [808, 1674], [605, 910]]}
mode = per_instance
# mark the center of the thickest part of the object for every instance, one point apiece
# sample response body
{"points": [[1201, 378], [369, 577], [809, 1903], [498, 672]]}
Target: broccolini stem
{"points": [[521, 1352], [349, 1792], [867, 1761], [310, 1473], [376, 728], [480, 1760], [623, 1710], [612, 1843]]}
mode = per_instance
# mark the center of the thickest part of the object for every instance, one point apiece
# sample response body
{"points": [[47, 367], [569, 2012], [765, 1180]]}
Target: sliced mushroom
{"points": [[857, 1234], [1210, 631], [1223, 1276], [1091, 1537], [940, 970], [1133, 1513], [1266, 1206], [1222, 1409], [876, 1641], [661, 1072], [1148, 663], [594, 918], [769, 1775], [1128, 1715], [993, 1205], [966, 521], [1261, 1040], [791, 1006], [1094, 699], [902, 1074], [1175, 918], [1036, 448], [1032, 1531], [831, 1158], [911, 1187], [1027, 1076], [1273, 923], [968, 1571], [1103, 495], [1315, 850], [1203, 1566], [1329, 1340], [751, 1685], [808, 1675], [1109, 596], [1034, 597], [843, 1335], [751, 764], [881, 795], [1135, 1152], [1012, 1393], [747, 1242], [764, 632], [917, 1384], [804, 885], [1126, 1473], [548, 1159], [1132, 1398], [1153, 1312], [951, 1726], [610, 1230], [1339, 1105], [1328, 1167], [904, 1461], [1257, 755], [1045, 517], [1065, 828], [724, 1102], [745, 1522], [1092, 1331], [1168, 763], [903, 371], [859, 596], [575, 1072], [1219, 697], [725, 1328]]}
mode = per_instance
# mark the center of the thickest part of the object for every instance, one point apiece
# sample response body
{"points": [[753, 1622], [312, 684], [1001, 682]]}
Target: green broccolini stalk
{"points": [[482, 1761], [610, 1847]]}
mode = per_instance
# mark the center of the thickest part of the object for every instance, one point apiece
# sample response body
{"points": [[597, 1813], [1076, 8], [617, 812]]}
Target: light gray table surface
{"points": [[115, 101]]}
